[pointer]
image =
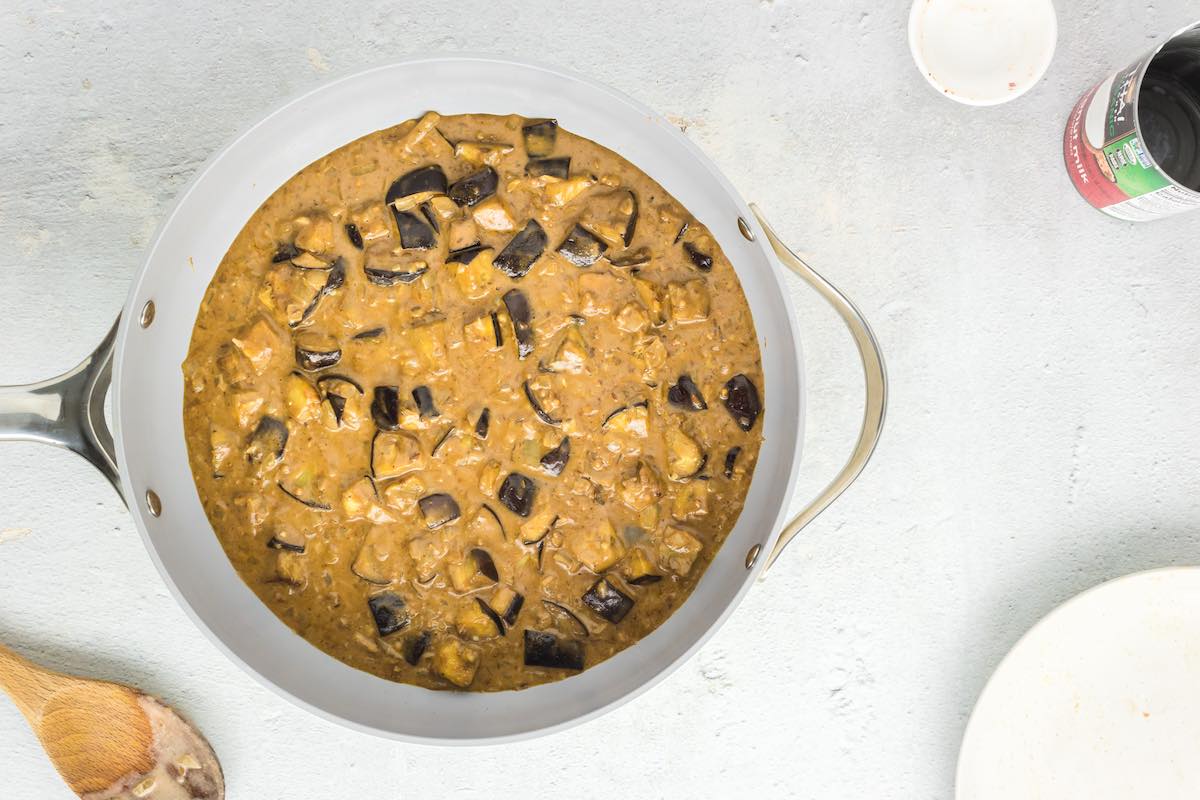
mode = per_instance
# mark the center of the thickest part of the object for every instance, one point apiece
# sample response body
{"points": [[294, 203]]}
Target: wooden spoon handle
{"points": [[28, 685]]}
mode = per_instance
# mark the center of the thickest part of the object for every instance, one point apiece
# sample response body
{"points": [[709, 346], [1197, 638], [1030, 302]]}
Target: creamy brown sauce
{"points": [[345, 353]]}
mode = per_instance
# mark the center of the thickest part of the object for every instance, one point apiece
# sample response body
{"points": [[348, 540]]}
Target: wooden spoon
{"points": [[109, 741]]}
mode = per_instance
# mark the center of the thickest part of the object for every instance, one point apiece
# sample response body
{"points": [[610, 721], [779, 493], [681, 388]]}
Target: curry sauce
{"points": [[472, 402]]}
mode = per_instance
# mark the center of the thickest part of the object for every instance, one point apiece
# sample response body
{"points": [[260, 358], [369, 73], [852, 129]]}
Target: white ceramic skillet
{"points": [[145, 456]]}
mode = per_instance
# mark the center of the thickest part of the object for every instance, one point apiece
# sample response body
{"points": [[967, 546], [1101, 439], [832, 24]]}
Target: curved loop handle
{"points": [[873, 371], [67, 411]]}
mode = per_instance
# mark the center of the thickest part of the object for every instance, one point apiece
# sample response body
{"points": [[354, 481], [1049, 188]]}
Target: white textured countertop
{"points": [[1043, 431]]}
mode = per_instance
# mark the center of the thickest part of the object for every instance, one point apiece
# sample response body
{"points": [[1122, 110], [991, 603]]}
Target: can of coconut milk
{"points": [[1132, 143]]}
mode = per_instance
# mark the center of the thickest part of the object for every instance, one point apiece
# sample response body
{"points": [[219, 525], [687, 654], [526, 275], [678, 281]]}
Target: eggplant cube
{"points": [[608, 601], [547, 650], [519, 254], [389, 613], [438, 510], [456, 662], [741, 399], [581, 248], [517, 493]]}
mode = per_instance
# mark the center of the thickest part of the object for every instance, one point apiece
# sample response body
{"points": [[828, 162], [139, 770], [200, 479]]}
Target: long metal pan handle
{"points": [[874, 373], [67, 411]]}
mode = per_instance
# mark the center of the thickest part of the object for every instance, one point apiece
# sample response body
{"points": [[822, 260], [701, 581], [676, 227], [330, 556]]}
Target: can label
{"points": [[1107, 157]]}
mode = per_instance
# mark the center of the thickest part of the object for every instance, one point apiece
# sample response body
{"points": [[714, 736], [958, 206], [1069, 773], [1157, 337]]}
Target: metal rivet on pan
{"points": [[147, 314], [751, 556], [744, 227], [153, 504]]}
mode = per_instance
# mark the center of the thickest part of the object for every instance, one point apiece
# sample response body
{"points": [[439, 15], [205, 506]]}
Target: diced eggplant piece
{"points": [[284, 540], [415, 646], [443, 440], [685, 459], [335, 281], [522, 250], [484, 564], [389, 613], [416, 233], [456, 662], [682, 230], [700, 260], [354, 236], [466, 255], [731, 459], [581, 248], [483, 423], [482, 152], [491, 518], [638, 569], [438, 510], [517, 492], [507, 602], [547, 650], [337, 390], [538, 526], [394, 453], [553, 167], [313, 504], [285, 252], [597, 546], [540, 137], [428, 180], [555, 461], [679, 550], [567, 615], [430, 215], [476, 631], [390, 276], [538, 409], [631, 258], [633, 419], [686, 394], [267, 442], [741, 398], [475, 187], [631, 220], [496, 332], [522, 320], [316, 352], [608, 601], [385, 408], [424, 400], [369, 333], [377, 560]]}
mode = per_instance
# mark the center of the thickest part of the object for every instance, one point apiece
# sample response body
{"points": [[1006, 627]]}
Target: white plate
{"points": [[1101, 699]]}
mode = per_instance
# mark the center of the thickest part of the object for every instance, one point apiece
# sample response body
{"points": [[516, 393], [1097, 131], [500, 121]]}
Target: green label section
{"points": [[1131, 166]]}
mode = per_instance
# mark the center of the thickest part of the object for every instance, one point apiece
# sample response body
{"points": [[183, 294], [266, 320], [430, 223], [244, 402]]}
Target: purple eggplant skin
{"points": [[509, 615], [542, 414], [491, 614], [389, 613], [631, 258], [631, 223], [686, 394], [519, 312], [552, 167], [522, 251], [423, 179], [643, 580], [556, 460], [741, 398], [608, 601], [474, 188], [483, 423], [682, 230], [314, 360], [465, 255], [335, 281], [354, 236], [517, 493], [313, 504], [562, 611], [540, 137], [424, 400], [268, 441], [285, 252], [701, 261], [416, 646], [499, 334], [485, 565], [389, 277], [581, 248], [369, 333], [415, 233], [731, 459], [547, 650], [275, 543], [385, 408], [438, 510], [438, 445]]}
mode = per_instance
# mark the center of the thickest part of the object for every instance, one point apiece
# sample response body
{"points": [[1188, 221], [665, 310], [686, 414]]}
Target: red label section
{"points": [[1084, 161]]}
